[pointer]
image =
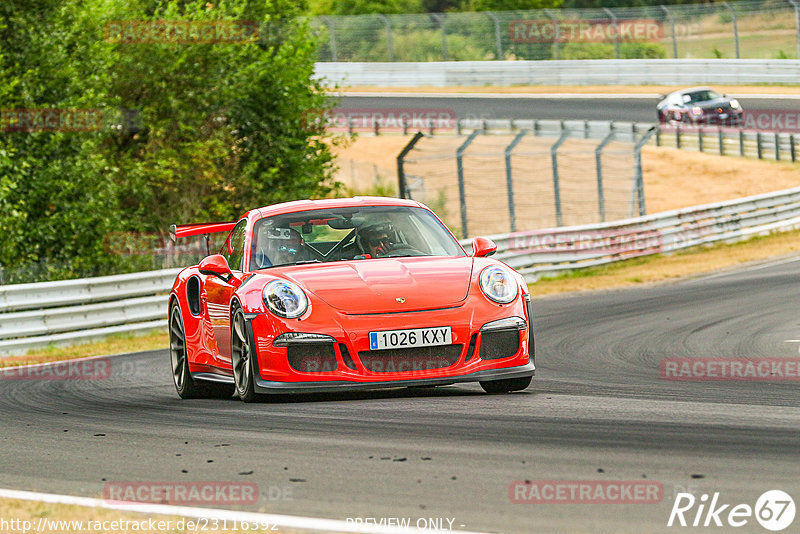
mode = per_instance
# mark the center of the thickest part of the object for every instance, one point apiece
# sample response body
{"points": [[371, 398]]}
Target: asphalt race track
{"points": [[631, 108], [598, 410]]}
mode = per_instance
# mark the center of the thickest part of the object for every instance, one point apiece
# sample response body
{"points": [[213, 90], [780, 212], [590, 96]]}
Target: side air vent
{"points": [[193, 295]]}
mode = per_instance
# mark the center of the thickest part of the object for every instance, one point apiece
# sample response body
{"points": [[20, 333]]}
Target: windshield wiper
{"points": [[306, 261]]}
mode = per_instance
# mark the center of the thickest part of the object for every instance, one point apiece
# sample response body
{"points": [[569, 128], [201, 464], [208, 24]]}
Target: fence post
{"points": [[721, 142], [741, 142], [639, 179], [791, 147], [439, 18], [401, 175], [735, 27], [758, 145], [700, 139], [586, 129], [462, 194], [677, 136], [556, 35], [389, 38], [405, 126], [510, 179], [497, 34], [777, 147], [658, 135], [332, 41], [672, 24], [556, 186], [796, 23], [616, 30], [598, 164]]}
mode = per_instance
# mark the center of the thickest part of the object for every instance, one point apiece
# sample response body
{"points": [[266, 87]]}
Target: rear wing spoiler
{"points": [[177, 231]]}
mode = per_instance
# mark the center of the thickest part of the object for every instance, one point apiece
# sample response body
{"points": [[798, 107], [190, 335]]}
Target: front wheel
{"points": [[507, 385], [242, 357]]}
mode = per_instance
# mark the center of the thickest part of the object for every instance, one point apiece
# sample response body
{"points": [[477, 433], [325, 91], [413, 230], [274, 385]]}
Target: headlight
{"points": [[735, 104], [697, 110], [498, 284], [285, 299]]}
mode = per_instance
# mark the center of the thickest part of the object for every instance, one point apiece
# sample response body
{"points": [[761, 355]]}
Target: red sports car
{"points": [[345, 294]]}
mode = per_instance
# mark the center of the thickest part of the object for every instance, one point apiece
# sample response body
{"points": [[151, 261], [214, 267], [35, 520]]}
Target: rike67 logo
{"points": [[774, 510]]}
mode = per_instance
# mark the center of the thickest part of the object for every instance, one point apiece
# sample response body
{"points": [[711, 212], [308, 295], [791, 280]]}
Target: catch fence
{"points": [[744, 29], [543, 173]]}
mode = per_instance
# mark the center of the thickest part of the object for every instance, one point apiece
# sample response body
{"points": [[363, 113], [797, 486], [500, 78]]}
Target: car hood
{"points": [[384, 285]]}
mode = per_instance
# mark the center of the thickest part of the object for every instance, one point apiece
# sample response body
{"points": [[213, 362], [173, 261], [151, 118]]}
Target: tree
{"points": [[218, 127]]}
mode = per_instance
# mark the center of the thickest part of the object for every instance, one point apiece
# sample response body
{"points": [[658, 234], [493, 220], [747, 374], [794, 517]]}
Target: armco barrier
{"points": [[137, 302], [73, 311], [566, 72], [553, 251]]}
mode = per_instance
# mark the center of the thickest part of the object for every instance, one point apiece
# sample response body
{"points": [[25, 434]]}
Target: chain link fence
{"points": [[550, 173], [759, 29]]}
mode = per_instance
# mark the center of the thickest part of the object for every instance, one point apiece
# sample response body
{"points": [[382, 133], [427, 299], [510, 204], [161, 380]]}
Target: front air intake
{"points": [[312, 357]]}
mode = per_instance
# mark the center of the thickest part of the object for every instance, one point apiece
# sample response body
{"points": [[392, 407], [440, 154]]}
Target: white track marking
{"points": [[287, 521]]}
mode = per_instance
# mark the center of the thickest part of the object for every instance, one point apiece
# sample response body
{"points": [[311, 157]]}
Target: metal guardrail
{"points": [[562, 72], [72, 311], [550, 252], [103, 306]]}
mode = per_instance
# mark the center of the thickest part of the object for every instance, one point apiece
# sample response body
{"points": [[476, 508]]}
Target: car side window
{"points": [[233, 249]]}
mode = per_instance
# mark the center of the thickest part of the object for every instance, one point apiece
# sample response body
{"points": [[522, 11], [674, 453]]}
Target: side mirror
{"points": [[483, 246], [217, 265]]}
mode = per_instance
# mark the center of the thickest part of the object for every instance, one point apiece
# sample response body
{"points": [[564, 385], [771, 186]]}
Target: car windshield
{"points": [[702, 95], [359, 233]]}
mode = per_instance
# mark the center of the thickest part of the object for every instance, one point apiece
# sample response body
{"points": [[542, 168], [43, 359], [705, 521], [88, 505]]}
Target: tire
{"points": [[186, 386], [242, 357], [507, 385]]}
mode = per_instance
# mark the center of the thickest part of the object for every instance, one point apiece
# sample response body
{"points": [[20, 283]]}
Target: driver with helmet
{"points": [[378, 239], [279, 246]]}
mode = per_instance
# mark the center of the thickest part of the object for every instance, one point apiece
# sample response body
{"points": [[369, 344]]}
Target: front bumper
{"points": [[268, 386], [345, 360]]}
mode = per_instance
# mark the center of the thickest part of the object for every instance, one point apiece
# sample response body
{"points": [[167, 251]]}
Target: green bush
{"points": [[587, 51], [606, 51], [642, 51]]}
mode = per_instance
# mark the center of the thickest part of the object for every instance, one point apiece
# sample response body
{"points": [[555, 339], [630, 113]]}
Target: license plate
{"points": [[414, 337]]}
